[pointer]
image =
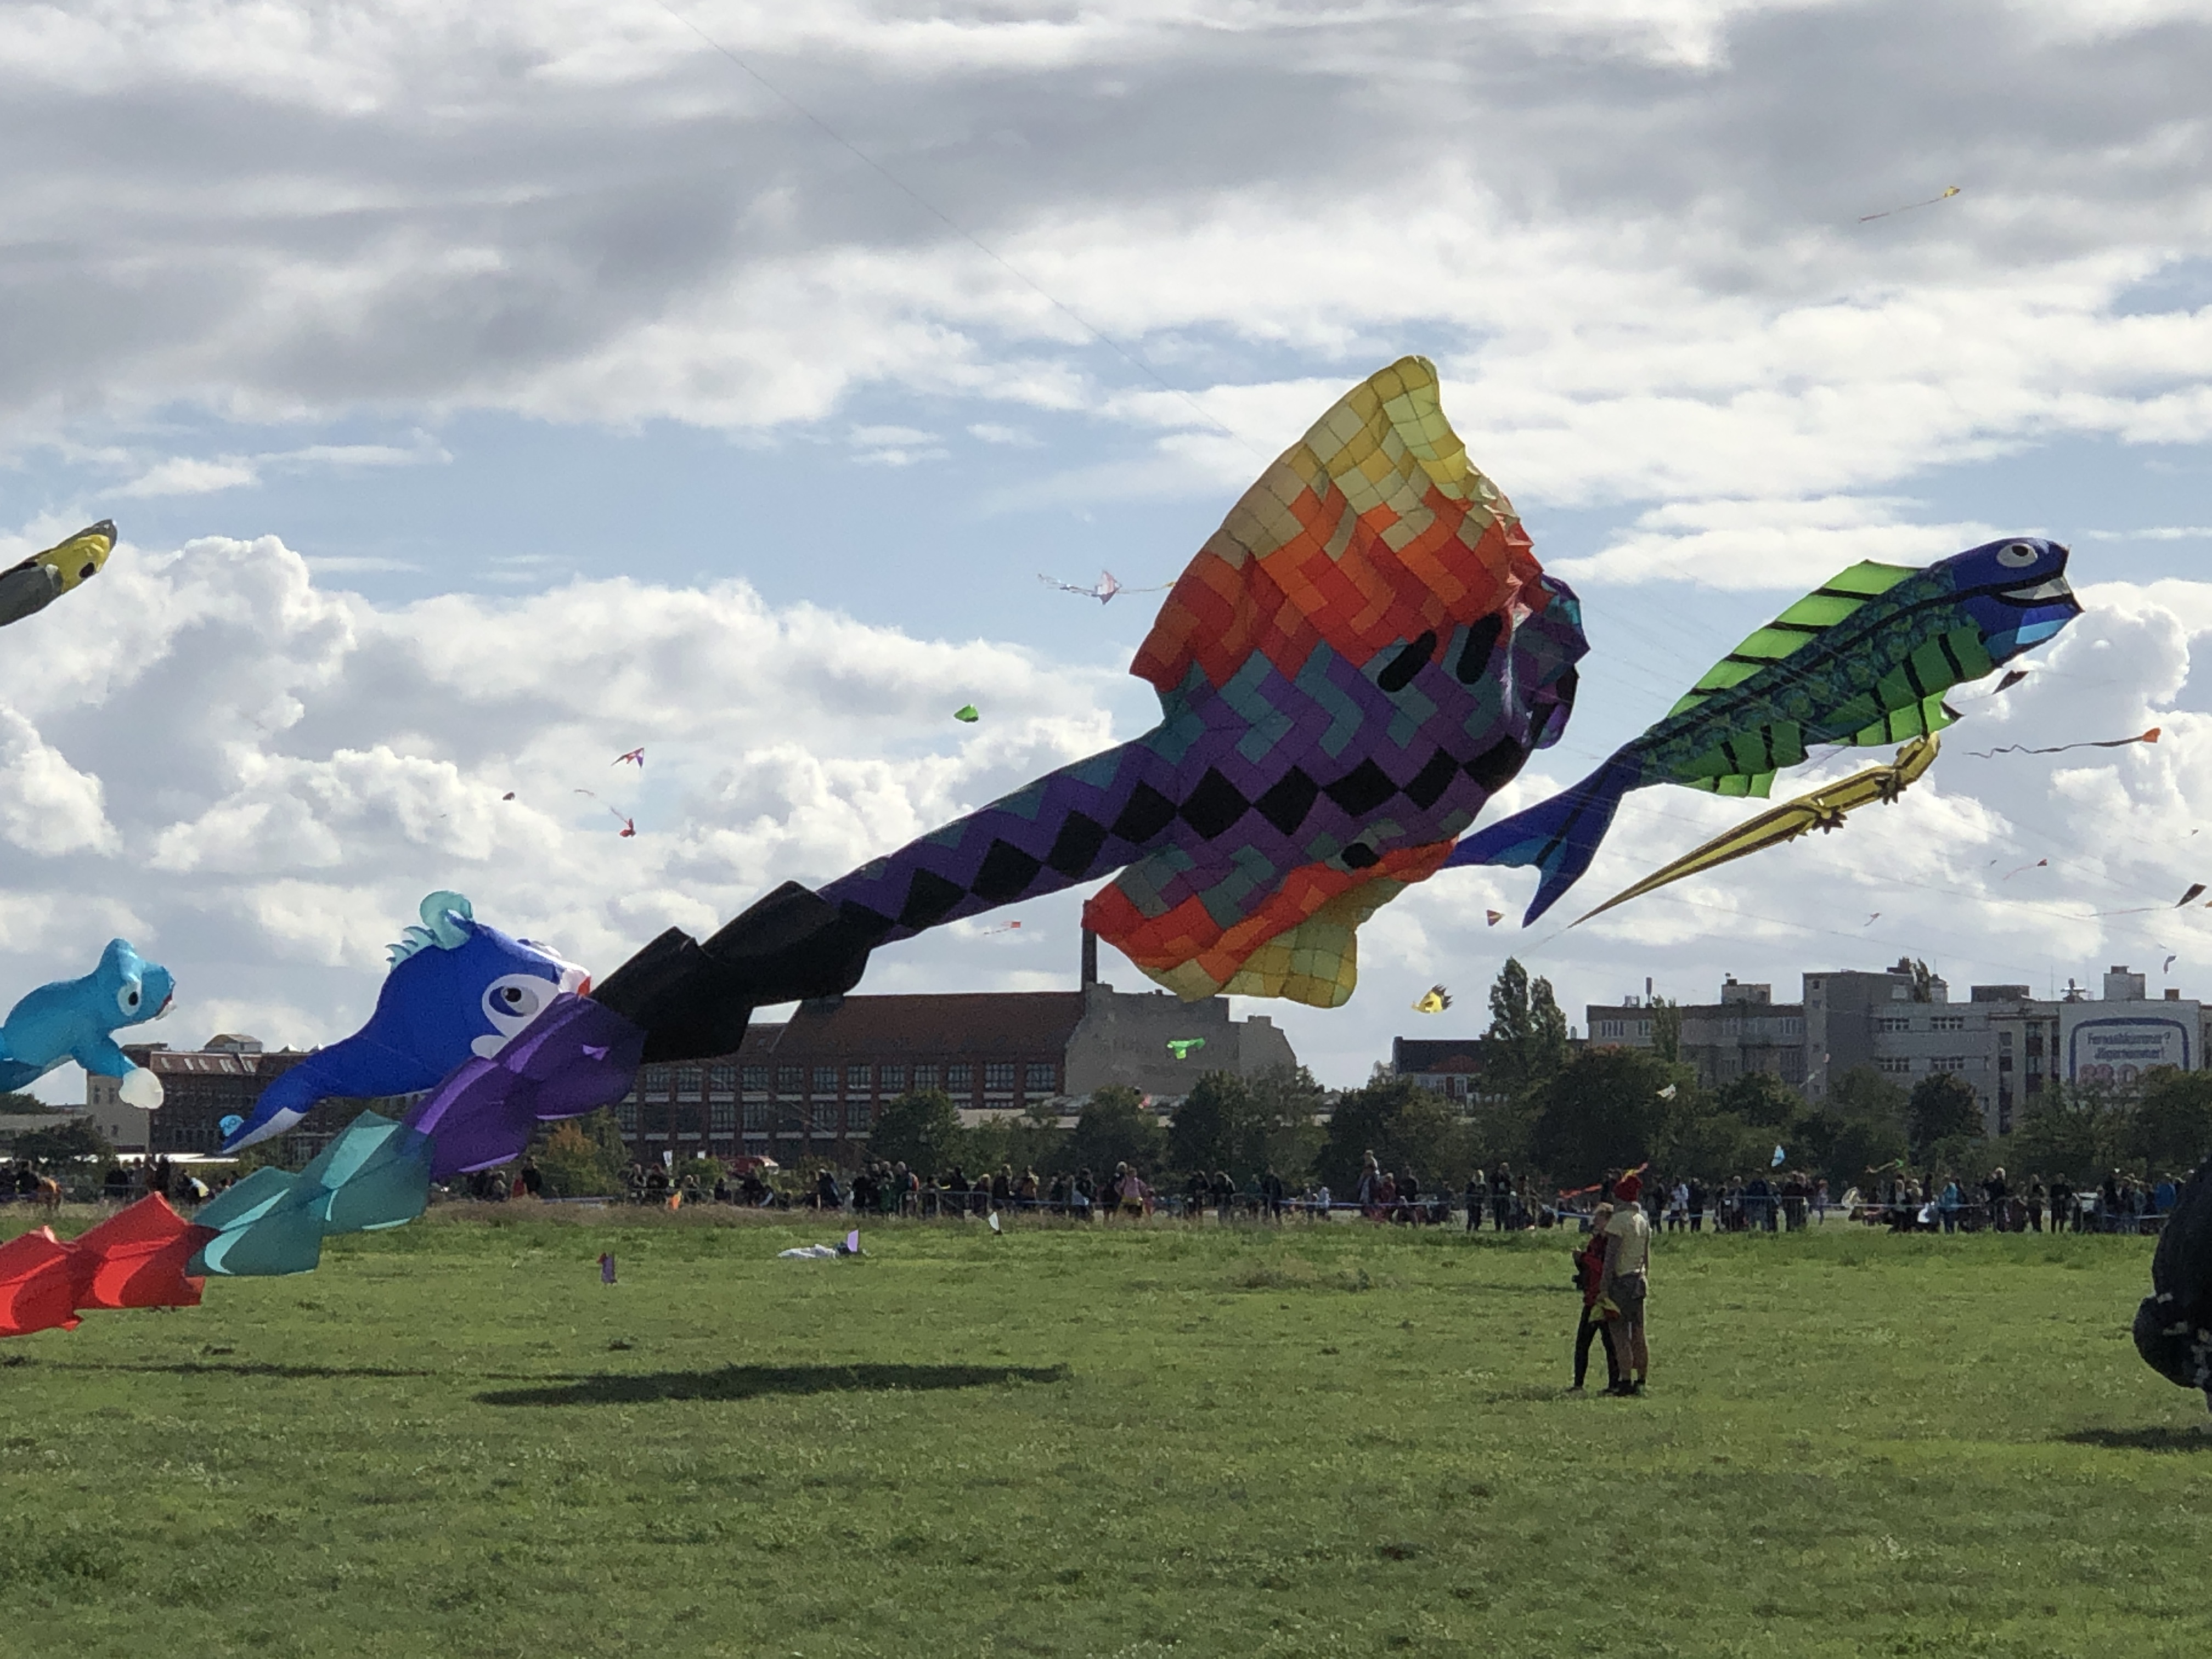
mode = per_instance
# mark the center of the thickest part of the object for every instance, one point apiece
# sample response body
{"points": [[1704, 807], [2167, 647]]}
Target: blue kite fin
{"points": [[1560, 836]]}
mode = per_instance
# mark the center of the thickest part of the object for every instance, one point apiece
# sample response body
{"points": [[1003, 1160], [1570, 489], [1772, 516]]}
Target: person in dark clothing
{"points": [[1697, 1206], [826, 1193], [1473, 1199], [1224, 1194], [1589, 1269], [1272, 1190], [1501, 1195]]}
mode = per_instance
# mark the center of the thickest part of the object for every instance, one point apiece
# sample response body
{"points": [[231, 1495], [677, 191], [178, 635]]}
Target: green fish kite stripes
{"points": [[1865, 658]]}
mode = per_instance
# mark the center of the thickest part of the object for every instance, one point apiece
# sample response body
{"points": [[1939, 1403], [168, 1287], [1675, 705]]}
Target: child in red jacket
{"points": [[1589, 1269]]}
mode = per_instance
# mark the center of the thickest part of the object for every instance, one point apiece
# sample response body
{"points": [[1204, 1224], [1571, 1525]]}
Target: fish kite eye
{"points": [[127, 999], [2016, 555]]}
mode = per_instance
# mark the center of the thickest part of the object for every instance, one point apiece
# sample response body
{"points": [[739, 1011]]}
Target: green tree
{"points": [[1115, 1128], [585, 1157], [1209, 1123], [1864, 1094], [1527, 1042], [921, 1130], [1941, 1107], [23, 1105], [1602, 1111], [1282, 1132], [1667, 1029], [1710, 1145], [1407, 1129], [2171, 1126], [2077, 1133], [1761, 1099], [70, 1138]]}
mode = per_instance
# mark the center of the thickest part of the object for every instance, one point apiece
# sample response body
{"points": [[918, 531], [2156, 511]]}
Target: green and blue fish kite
{"points": [[1863, 659]]}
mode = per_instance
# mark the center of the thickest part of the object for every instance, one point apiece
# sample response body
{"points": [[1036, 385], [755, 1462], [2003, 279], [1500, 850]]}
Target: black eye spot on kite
{"points": [[1402, 668], [1360, 856], [2017, 557], [88, 572], [1475, 655]]}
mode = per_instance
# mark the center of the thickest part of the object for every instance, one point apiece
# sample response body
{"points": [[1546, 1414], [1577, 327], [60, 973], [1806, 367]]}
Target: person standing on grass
{"points": [[1472, 1198], [1590, 1272], [1626, 1283]]}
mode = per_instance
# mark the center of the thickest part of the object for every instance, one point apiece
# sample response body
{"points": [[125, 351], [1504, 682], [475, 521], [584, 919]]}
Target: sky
{"points": [[484, 391]]}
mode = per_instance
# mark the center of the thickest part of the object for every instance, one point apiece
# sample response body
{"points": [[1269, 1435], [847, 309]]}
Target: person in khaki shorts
{"points": [[1623, 1285]]}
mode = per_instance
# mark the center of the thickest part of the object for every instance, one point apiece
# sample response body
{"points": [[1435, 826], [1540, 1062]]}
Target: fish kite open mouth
{"points": [[2055, 588]]}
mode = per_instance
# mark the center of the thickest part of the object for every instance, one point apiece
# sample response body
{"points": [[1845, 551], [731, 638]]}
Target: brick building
{"points": [[201, 1087], [813, 1085]]}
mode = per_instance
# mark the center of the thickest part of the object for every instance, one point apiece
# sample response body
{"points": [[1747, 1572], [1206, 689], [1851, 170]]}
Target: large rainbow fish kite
{"points": [[1356, 661]]}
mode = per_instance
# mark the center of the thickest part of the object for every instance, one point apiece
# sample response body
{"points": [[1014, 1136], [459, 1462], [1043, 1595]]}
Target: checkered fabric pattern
{"points": [[1362, 655]]}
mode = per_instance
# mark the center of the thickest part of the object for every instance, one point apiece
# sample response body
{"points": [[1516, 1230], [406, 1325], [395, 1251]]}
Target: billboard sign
{"points": [[2102, 1046]]}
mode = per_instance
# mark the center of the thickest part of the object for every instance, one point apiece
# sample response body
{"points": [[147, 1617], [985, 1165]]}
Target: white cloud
{"points": [[186, 475], [1620, 226], [1768, 543]]}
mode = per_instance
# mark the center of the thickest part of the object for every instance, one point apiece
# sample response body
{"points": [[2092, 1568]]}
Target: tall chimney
{"points": [[1090, 958]]}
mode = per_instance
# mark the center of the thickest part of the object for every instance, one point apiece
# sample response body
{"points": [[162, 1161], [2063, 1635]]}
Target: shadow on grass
{"points": [[2161, 1439], [218, 1367], [751, 1382]]}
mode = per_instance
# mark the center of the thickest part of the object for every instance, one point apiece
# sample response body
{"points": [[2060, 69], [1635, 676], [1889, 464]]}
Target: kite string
{"points": [[965, 235]]}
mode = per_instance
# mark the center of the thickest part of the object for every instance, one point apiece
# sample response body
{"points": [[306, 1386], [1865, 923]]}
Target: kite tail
{"points": [[1560, 836]]}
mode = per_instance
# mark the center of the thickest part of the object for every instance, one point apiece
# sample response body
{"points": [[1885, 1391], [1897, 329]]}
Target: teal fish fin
{"points": [[1813, 615]]}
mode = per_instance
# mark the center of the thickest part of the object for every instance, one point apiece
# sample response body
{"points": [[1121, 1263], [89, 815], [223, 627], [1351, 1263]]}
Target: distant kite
{"points": [[2040, 864], [2196, 889], [1823, 809], [1184, 1048], [1434, 1001], [2151, 736], [36, 583], [1108, 586], [635, 755], [628, 825], [1009, 927], [966, 713], [1494, 916], [2012, 676], [1949, 190], [1865, 658]]}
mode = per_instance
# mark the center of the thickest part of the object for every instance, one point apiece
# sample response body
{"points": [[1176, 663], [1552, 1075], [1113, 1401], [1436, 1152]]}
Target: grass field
{"points": [[452, 1439]]}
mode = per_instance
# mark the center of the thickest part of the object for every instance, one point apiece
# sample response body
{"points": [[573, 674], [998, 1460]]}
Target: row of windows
{"points": [[1936, 1022], [958, 1078], [1939, 1063], [723, 1116]]}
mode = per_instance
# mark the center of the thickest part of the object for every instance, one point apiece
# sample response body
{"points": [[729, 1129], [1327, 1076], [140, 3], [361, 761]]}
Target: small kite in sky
{"points": [[2170, 961], [2151, 736], [2040, 864], [967, 714], [1949, 190], [36, 583], [1863, 659], [1494, 916], [1823, 809], [1108, 586], [1434, 1001], [635, 755], [1184, 1048], [2012, 676], [509, 795], [628, 825], [2196, 889], [1005, 927]]}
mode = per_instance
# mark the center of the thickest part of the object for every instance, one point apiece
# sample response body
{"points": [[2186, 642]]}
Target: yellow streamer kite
{"points": [[1822, 809]]}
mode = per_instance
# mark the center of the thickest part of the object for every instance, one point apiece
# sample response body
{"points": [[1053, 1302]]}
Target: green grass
{"points": [[452, 1439]]}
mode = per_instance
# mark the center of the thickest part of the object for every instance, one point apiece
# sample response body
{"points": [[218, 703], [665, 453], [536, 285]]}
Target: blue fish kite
{"points": [[74, 1018], [458, 990], [1863, 659]]}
